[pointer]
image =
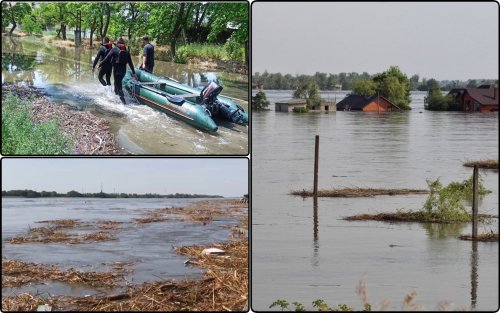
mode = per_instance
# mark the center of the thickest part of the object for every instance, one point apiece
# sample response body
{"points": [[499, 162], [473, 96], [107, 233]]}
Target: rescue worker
{"points": [[148, 55], [119, 56], [104, 69]]}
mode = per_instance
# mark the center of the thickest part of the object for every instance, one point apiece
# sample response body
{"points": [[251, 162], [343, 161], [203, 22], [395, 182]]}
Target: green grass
{"points": [[20, 135], [209, 51]]}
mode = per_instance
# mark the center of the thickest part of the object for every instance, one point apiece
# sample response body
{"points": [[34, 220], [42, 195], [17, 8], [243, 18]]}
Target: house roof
{"points": [[293, 102], [483, 95], [358, 102]]}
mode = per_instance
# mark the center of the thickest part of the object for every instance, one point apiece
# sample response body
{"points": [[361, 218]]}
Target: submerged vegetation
{"points": [[22, 135], [260, 102], [436, 101], [445, 204]]}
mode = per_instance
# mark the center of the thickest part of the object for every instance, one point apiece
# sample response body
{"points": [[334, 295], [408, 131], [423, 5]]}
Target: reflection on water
{"points": [[401, 150], [67, 77], [473, 275]]}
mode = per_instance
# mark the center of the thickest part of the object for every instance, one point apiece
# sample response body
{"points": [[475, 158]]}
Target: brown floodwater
{"points": [[302, 253], [65, 74]]}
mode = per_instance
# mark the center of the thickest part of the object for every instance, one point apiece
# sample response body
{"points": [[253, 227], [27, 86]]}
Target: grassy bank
{"points": [[32, 125], [21, 135]]}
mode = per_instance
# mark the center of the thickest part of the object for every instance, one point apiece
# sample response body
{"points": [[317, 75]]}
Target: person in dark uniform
{"points": [[119, 56], [104, 69], [148, 55]]}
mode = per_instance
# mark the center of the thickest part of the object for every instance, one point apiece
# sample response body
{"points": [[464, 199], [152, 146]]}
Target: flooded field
{"points": [[65, 74], [300, 258], [144, 249]]}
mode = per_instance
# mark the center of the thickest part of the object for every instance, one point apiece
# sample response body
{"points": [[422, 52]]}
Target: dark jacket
{"points": [[119, 63], [101, 55]]}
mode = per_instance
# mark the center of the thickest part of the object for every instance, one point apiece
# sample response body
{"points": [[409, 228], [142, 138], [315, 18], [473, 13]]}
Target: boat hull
{"points": [[187, 112], [176, 88]]}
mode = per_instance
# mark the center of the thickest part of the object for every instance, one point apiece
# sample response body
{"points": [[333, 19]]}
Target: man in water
{"points": [[119, 56], [148, 55], [104, 69]]}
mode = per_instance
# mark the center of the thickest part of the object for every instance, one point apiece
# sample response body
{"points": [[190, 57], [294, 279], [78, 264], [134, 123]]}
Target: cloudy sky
{"points": [[435, 40], [226, 177]]}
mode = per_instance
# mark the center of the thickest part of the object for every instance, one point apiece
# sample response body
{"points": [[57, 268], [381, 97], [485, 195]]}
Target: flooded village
{"points": [[387, 223]]}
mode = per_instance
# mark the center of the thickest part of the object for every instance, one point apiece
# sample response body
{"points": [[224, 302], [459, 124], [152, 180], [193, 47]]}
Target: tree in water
{"points": [[260, 102], [310, 92]]}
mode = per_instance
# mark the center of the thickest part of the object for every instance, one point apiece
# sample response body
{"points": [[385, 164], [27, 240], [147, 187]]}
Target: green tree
{"points": [[436, 101], [394, 85], [310, 92], [260, 102], [365, 87], [30, 25], [13, 13], [414, 82]]}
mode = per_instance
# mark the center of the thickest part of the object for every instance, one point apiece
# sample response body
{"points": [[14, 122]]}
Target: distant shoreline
{"points": [[31, 194]]}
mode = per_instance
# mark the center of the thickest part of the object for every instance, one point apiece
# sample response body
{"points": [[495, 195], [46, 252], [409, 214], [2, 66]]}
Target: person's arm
{"points": [[108, 57], [144, 56], [131, 64], [97, 57]]}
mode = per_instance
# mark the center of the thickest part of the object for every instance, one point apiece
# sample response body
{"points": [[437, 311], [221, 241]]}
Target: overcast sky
{"points": [[435, 40], [225, 177]]}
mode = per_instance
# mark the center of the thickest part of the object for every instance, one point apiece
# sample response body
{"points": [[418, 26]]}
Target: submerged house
{"points": [[288, 105], [373, 103], [481, 99]]}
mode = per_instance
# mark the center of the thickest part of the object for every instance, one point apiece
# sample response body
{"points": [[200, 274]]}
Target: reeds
{"points": [[485, 237], [358, 192], [486, 164]]}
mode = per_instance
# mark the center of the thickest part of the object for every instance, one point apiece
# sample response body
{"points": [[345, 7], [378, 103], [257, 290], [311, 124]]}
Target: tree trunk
{"points": [[181, 18], [63, 31], [106, 24], [12, 19]]}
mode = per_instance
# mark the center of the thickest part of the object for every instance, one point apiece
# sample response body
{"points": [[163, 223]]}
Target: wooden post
{"points": [[475, 201], [316, 154]]}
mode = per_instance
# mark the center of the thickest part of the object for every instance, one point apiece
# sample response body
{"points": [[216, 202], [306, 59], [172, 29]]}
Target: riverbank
{"points": [[86, 133], [223, 285], [196, 58]]}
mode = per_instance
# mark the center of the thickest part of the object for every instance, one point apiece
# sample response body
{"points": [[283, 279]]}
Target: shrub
{"points": [[20, 135], [300, 110]]}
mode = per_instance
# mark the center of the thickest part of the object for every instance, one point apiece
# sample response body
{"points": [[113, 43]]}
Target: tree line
{"points": [[168, 23], [347, 81], [26, 193]]}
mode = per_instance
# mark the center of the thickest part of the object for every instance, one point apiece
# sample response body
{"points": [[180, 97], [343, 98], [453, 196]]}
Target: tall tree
{"points": [[14, 12]]}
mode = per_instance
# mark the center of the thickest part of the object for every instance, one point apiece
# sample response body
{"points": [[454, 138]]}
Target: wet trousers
{"points": [[105, 71], [118, 76]]}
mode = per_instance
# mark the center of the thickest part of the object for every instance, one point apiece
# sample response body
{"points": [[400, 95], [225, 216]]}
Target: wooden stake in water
{"points": [[475, 201], [316, 154]]}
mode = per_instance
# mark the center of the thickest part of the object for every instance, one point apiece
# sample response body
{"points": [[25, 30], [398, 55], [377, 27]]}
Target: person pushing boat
{"points": [[148, 55], [119, 57], [104, 68]]}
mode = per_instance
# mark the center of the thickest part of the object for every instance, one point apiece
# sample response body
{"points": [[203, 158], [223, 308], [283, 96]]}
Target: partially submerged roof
{"points": [[358, 102], [293, 102], [484, 95]]}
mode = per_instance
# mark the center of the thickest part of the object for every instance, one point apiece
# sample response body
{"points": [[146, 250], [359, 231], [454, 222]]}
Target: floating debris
{"points": [[485, 237], [213, 251], [358, 192], [486, 164]]}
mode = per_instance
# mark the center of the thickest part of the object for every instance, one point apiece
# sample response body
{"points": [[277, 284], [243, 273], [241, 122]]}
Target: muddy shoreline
{"points": [[92, 134], [223, 285]]}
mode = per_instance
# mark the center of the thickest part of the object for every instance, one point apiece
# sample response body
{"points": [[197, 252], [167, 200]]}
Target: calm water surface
{"points": [[298, 258], [66, 76], [148, 247]]}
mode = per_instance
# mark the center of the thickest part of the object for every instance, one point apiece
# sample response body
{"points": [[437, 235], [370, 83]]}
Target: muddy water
{"points": [[300, 258], [147, 247], [66, 75]]}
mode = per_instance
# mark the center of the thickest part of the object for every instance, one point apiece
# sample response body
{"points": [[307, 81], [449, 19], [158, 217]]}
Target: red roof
{"points": [[484, 95]]}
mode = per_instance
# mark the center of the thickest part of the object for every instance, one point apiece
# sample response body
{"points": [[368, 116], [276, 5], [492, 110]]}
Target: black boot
{"points": [[122, 96]]}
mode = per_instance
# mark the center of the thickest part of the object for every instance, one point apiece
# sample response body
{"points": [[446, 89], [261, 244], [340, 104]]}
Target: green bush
{"points": [[435, 101], [20, 135], [300, 110], [234, 50]]}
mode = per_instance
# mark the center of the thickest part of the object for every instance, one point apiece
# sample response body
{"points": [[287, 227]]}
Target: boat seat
{"points": [[176, 100], [189, 95]]}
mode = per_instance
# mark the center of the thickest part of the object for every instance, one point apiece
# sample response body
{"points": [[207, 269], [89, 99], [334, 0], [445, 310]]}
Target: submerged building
{"points": [[481, 99], [373, 103]]}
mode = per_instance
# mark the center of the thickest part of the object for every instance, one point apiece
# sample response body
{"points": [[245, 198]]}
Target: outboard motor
{"points": [[215, 107]]}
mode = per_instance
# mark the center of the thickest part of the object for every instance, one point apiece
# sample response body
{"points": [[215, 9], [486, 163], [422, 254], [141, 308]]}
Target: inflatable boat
{"points": [[174, 106], [208, 98]]}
